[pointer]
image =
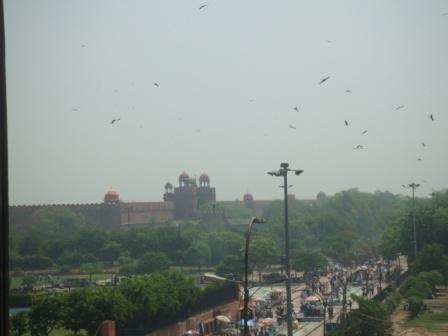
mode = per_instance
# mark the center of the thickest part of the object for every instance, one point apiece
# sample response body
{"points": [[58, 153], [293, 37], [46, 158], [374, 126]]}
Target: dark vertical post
{"points": [[367, 282], [246, 274], [246, 285], [325, 317], [344, 300], [4, 229], [413, 186], [287, 266]]}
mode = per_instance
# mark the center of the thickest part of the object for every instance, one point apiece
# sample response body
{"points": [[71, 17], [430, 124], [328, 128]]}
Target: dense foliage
{"points": [[342, 228], [140, 301], [370, 319]]}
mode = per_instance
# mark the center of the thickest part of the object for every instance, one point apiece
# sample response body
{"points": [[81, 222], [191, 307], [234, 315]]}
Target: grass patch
{"points": [[433, 321], [16, 281], [65, 332]]}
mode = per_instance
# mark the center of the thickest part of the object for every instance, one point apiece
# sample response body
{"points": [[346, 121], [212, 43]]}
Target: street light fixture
{"points": [[254, 220], [283, 171], [413, 186], [324, 298]]}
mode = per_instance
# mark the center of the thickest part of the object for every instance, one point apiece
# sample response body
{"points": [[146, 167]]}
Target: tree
{"points": [[198, 254], [231, 267], [128, 266], [18, 324], [222, 244], [416, 286], [90, 240], [46, 312], [152, 262], [262, 253], [110, 252], [86, 308], [75, 259], [90, 269], [431, 257], [159, 297], [415, 305], [56, 222], [30, 245], [370, 319], [29, 280], [310, 260], [34, 262]]}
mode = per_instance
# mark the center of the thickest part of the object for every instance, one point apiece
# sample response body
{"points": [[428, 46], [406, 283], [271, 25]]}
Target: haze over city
{"points": [[215, 90]]}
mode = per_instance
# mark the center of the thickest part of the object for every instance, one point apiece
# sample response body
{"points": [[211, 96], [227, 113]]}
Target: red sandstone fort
{"points": [[179, 203]]}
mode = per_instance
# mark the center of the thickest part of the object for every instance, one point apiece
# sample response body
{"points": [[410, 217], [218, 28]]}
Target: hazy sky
{"points": [[229, 75]]}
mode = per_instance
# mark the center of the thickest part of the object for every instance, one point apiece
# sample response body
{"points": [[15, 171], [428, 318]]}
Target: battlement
{"points": [[32, 206]]}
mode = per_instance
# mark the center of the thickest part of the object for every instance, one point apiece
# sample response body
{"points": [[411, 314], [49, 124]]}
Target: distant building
{"points": [[179, 203]]}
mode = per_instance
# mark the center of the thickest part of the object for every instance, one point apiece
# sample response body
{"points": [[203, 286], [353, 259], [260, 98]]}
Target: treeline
{"points": [[155, 300], [345, 228], [431, 219], [428, 270]]}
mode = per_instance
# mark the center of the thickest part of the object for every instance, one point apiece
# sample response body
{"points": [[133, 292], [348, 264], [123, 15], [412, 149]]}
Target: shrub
{"points": [[415, 305]]}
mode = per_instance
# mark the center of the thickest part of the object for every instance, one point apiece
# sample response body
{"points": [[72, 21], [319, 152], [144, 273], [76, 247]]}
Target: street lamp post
{"points": [[413, 186], [324, 297], [283, 171], [344, 278], [254, 220]]}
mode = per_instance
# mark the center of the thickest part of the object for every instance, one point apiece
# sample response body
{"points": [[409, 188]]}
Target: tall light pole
{"points": [[253, 221], [413, 186], [283, 171]]}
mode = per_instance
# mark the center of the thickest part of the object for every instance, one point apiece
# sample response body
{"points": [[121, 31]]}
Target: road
{"points": [[305, 328]]}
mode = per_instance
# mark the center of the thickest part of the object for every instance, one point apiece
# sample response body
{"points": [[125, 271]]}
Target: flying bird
{"points": [[423, 144], [348, 91], [419, 159], [156, 84], [364, 132], [296, 108], [329, 41], [83, 45], [203, 6], [399, 107], [74, 109], [431, 117], [292, 126], [115, 120], [324, 80], [359, 147], [252, 100], [346, 122]]}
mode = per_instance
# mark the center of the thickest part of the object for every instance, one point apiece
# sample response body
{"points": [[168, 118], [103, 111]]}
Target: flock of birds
{"points": [[323, 80], [295, 108]]}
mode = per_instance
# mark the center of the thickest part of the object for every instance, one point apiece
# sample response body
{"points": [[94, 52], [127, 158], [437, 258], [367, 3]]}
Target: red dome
{"points": [[111, 197]]}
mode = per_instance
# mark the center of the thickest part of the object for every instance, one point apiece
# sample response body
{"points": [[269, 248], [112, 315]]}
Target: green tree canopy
{"points": [[46, 313], [309, 260], [231, 267], [153, 262], [85, 309]]}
